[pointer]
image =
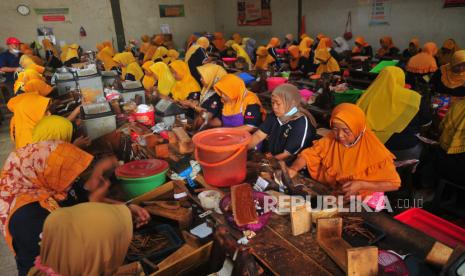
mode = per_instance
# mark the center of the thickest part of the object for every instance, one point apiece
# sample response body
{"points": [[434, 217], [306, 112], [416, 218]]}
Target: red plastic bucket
{"points": [[274, 82], [146, 118], [222, 154]]}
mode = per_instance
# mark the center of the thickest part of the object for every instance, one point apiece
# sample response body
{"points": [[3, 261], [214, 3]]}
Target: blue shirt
{"points": [[7, 59]]}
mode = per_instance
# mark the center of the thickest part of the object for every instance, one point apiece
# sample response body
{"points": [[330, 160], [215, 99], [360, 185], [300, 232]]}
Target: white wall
{"points": [[425, 19], [95, 16], [143, 17]]}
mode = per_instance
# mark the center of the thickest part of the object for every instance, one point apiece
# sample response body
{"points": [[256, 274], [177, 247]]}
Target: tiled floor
{"points": [[7, 262]]}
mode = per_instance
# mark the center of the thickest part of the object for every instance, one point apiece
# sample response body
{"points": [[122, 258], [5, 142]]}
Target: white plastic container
{"points": [[97, 127]]}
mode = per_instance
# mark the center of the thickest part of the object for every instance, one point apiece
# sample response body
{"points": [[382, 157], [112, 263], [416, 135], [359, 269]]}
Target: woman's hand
{"points": [[82, 142], [292, 173], [98, 188], [140, 215], [351, 188]]}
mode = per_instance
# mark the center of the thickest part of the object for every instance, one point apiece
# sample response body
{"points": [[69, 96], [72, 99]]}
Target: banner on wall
{"points": [[253, 12], [380, 12], [53, 15], [454, 3], [171, 10]]}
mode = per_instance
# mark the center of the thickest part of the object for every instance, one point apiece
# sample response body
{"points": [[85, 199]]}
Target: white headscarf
{"points": [[341, 45]]}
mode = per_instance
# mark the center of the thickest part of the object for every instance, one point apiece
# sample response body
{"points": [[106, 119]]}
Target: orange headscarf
{"points": [[28, 109], [145, 44], [158, 40], [415, 41], [234, 87], [305, 46], [237, 38], [328, 63], [219, 41], [331, 162], [274, 42], [190, 41], [151, 49], [105, 55], [424, 62], [360, 40], [320, 36], [32, 72], [448, 77], [38, 86], [53, 166], [263, 59], [451, 45], [48, 46], [387, 40], [295, 56]]}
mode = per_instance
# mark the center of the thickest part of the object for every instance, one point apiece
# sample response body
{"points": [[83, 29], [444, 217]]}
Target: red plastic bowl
{"points": [[229, 60], [281, 51], [141, 168]]}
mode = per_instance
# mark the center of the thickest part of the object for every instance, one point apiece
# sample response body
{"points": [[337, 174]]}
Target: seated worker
{"points": [[288, 41], [264, 59], [101, 232], [241, 108], [387, 51], [219, 41], [450, 159], [148, 81], [395, 124], [210, 104], [307, 56], [327, 63], [287, 130], [237, 38], [144, 46], [240, 65], [449, 47], [51, 54], [413, 49], [30, 193], [350, 157], [163, 78], [421, 65], [294, 58], [172, 55], [105, 55], [362, 48], [186, 90], [272, 46], [161, 54], [130, 69], [70, 54], [450, 79], [196, 56], [250, 48], [240, 52]]}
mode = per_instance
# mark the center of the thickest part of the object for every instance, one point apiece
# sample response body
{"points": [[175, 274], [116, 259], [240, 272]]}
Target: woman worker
{"points": [[51, 54], [421, 65], [387, 51], [264, 59], [70, 54], [129, 67], [241, 108], [163, 78], [240, 52], [101, 233], [186, 90], [323, 57], [362, 48], [450, 79], [197, 56], [350, 157], [287, 130], [395, 114], [105, 55], [449, 47]]}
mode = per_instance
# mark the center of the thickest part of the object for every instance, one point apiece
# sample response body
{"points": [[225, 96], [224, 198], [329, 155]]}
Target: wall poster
{"points": [[253, 12]]}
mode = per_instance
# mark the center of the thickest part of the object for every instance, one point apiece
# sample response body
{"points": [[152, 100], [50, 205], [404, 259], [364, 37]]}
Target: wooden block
{"points": [[243, 205], [185, 147], [362, 261], [439, 254], [329, 237], [162, 151], [172, 138], [182, 215], [301, 221], [181, 135], [174, 257], [134, 268]]}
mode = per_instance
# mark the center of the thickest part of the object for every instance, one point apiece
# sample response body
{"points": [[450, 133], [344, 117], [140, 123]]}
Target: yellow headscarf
{"points": [[71, 52], [165, 80], [53, 128], [102, 232], [263, 59], [25, 76], [187, 84], [453, 129], [240, 52], [172, 55], [328, 63], [305, 46], [229, 43], [389, 107], [161, 53], [28, 109], [106, 57], [211, 74], [130, 65], [148, 81], [25, 61], [201, 42], [234, 87], [448, 77], [48, 46]]}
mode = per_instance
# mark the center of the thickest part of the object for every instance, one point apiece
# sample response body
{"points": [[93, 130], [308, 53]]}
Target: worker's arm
{"points": [[247, 128], [9, 69], [73, 115], [257, 137], [282, 156], [354, 187], [298, 164]]}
